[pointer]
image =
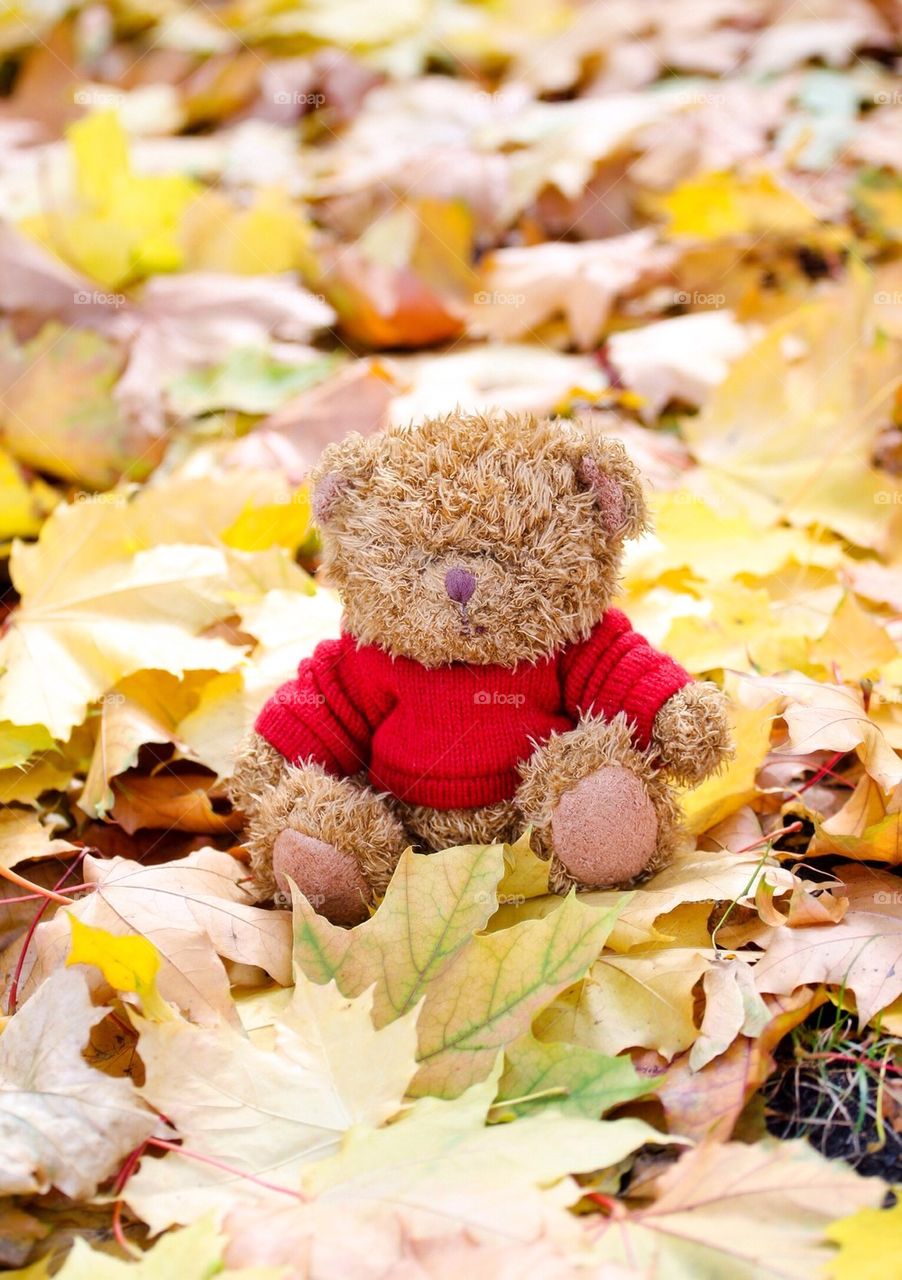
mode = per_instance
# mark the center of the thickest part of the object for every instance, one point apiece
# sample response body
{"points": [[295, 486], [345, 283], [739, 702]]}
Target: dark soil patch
{"points": [[841, 1091]]}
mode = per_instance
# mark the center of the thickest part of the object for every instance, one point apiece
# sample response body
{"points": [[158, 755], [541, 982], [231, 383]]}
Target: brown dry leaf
{"points": [[173, 801], [23, 836], [406, 280], [193, 910], [706, 1104]]}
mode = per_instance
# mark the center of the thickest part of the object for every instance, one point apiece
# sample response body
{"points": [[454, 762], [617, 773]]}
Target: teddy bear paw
{"points": [[329, 879], [604, 830]]}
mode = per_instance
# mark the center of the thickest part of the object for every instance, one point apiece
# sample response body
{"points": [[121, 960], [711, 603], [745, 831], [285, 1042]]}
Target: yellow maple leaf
{"points": [[128, 962], [120, 226], [273, 524], [734, 785], [269, 236], [870, 1245], [723, 204], [854, 643], [23, 503]]}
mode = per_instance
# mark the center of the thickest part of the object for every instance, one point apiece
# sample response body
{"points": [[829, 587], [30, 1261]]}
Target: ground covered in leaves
{"points": [[231, 233]]}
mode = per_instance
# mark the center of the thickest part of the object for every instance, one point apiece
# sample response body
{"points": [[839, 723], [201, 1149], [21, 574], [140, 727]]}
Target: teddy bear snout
{"points": [[460, 584]]}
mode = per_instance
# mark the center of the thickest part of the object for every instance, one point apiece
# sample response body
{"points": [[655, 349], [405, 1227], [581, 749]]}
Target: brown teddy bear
{"points": [[482, 683]]}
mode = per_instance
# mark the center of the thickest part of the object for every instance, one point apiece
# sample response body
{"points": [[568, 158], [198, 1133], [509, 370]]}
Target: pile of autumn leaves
{"points": [[427, 1094], [483, 1076]]}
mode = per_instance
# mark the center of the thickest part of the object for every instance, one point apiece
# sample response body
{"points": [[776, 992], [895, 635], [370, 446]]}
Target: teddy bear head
{"points": [[476, 539]]}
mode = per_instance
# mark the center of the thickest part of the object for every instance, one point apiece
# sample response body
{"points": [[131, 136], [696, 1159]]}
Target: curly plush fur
{"points": [[509, 496], [539, 511]]}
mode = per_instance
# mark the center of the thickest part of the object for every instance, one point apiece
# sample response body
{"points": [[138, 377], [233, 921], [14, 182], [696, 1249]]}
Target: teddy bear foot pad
{"points": [[329, 879], [605, 830]]}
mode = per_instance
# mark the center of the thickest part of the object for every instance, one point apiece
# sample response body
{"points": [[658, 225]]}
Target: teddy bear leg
{"points": [[601, 811], [433, 829], [334, 837]]}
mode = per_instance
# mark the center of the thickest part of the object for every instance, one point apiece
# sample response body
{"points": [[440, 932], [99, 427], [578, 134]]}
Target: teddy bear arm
{"points": [[259, 766], [691, 733]]}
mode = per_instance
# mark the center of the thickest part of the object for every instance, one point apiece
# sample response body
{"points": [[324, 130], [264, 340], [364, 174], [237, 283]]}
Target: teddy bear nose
{"points": [[460, 584]]}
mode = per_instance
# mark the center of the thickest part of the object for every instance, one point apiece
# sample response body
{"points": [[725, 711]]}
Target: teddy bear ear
{"points": [[327, 494], [605, 469], [340, 466]]}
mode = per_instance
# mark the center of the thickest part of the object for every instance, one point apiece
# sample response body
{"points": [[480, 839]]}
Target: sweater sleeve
{"points": [[615, 669], [316, 717]]}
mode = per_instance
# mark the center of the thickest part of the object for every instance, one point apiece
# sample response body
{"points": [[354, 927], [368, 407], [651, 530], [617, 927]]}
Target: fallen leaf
{"points": [[192, 910], [64, 1124], [440, 1164], [794, 381], [699, 1222], [870, 1244], [719, 205], [264, 1113], [421, 941], [59, 413], [565, 1077], [682, 359], [631, 1001], [88, 616], [860, 953], [193, 1251], [172, 801], [23, 836], [733, 1007], [706, 1105], [826, 717], [525, 287], [128, 963], [119, 225]]}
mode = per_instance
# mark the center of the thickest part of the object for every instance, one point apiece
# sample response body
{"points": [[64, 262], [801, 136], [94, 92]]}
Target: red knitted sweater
{"points": [[451, 737]]}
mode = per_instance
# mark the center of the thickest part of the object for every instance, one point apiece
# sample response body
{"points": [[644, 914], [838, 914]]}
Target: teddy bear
{"points": [[482, 683]]}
